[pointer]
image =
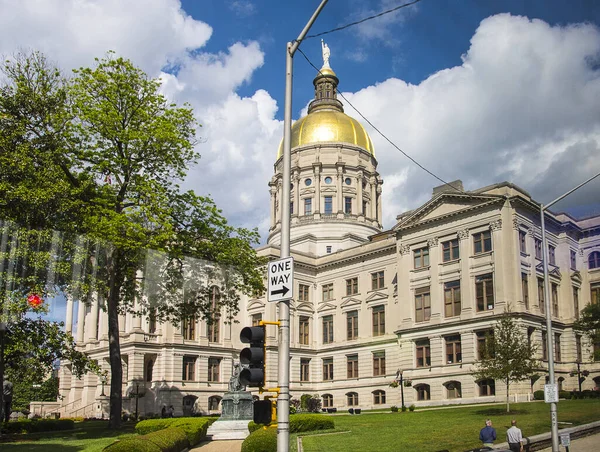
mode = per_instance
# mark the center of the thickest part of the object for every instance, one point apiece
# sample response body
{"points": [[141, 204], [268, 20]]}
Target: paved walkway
{"points": [[219, 446], [587, 444]]}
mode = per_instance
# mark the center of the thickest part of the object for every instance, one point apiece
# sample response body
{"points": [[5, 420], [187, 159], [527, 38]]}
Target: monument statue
{"points": [[326, 54], [234, 382]]}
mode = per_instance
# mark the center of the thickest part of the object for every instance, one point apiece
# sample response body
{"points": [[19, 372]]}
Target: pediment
{"points": [[255, 303], [326, 307], [376, 296], [328, 190], [576, 277], [447, 205], [351, 302], [552, 270], [305, 307]]}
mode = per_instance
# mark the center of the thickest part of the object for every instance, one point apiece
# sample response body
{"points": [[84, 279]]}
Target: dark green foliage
{"points": [[194, 428], [309, 422], [538, 395], [171, 439], [411, 408], [403, 408], [310, 403], [133, 445], [564, 395], [37, 425], [261, 440], [589, 324], [394, 409]]}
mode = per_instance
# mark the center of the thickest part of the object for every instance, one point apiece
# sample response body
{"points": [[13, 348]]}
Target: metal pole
{"points": [[549, 333], [137, 398], [402, 390], [579, 375], [283, 400]]}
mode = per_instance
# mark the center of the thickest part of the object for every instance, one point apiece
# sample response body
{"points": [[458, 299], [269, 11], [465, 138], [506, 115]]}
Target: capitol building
{"points": [[370, 303]]}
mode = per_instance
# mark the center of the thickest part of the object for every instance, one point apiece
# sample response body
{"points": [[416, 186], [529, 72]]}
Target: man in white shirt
{"points": [[514, 437]]}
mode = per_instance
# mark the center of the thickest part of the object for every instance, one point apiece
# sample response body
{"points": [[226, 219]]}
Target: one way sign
{"points": [[281, 279]]}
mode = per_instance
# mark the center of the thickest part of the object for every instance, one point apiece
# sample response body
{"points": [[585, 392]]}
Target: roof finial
{"points": [[326, 53]]}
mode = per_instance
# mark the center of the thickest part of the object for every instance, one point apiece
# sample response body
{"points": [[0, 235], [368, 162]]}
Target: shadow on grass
{"points": [[38, 447], [501, 411]]}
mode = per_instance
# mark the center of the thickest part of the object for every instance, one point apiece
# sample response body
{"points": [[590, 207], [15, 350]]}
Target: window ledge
{"points": [[357, 294], [453, 261], [524, 254], [483, 254], [421, 269]]}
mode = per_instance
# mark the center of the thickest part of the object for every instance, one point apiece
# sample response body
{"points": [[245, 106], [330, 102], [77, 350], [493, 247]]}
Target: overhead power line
{"points": [[343, 27], [382, 134]]}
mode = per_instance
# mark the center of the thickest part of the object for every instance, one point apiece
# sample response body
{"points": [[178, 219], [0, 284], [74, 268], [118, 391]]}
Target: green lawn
{"points": [[453, 429], [88, 436]]}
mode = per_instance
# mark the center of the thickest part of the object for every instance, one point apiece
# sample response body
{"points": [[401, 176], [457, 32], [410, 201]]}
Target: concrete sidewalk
{"points": [[219, 446], [587, 444]]}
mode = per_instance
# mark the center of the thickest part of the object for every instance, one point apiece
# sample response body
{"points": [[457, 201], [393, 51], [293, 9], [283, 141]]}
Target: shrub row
{"points": [[194, 427], [37, 425], [265, 439], [171, 439], [587, 394]]}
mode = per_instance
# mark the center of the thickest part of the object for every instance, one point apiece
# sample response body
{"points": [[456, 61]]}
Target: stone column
{"points": [[278, 204], [340, 195], [359, 196], [379, 212], [80, 322], [273, 191], [297, 193], [92, 328], [317, 203], [103, 323], [69, 319], [373, 198], [467, 283]]}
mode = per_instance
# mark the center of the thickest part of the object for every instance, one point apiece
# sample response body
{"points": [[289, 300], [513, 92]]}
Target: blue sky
{"points": [[478, 90]]}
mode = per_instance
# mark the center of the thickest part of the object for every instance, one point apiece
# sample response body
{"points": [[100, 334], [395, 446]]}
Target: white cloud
{"points": [[380, 29], [242, 8]]}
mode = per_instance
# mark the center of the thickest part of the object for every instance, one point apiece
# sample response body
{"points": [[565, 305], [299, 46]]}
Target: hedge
{"points": [[37, 425], [261, 440], [171, 439], [195, 428], [538, 395], [265, 439]]}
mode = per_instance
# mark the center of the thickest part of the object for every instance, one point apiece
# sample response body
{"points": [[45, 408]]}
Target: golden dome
{"points": [[322, 126]]}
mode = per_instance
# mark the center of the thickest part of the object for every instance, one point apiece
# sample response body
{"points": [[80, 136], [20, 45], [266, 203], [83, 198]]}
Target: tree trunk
{"points": [[116, 367], [507, 396]]}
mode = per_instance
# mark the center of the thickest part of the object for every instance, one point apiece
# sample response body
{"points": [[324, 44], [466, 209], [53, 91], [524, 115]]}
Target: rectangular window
{"points": [[328, 329], [544, 347], [378, 320], [377, 280], [352, 366], [484, 292], [352, 325], [188, 327], [303, 292], [557, 354], [328, 204], [525, 289], [352, 286], [308, 206], [327, 369], [214, 365], [291, 207], [487, 388], [256, 319], [421, 257], [450, 250], [304, 369], [453, 352], [595, 293], [538, 249], [364, 206], [482, 242], [576, 302], [555, 300], [328, 248], [452, 298], [189, 367], [484, 343], [213, 329], [423, 353], [347, 205], [422, 304], [551, 255], [541, 302], [378, 363], [523, 241], [327, 292], [303, 329], [573, 260], [578, 348]]}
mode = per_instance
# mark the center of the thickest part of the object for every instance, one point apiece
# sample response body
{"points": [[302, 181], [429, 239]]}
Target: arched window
{"points": [[594, 259], [378, 397], [453, 389], [213, 403], [352, 399], [487, 388], [327, 400], [423, 392]]}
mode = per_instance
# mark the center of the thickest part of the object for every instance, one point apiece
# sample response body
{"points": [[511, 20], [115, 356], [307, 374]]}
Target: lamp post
{"points": [[549, 335], [399, 378], [283, 399], [103, 381]]}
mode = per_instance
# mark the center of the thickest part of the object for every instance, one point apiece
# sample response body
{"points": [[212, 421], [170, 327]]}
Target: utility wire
{"points": [[382, 134], [343, 27]]}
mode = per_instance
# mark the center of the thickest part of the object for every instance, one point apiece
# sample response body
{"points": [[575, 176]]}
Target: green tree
{"points": [[121, 152], [589, 324], [507, 355]]}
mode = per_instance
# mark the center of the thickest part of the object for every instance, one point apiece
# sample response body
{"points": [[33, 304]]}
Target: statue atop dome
{"points": [[326, 53]]}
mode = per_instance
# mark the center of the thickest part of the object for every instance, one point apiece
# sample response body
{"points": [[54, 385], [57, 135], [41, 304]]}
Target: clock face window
{"points": [[348, 181], [328, 180], [307, 182]]}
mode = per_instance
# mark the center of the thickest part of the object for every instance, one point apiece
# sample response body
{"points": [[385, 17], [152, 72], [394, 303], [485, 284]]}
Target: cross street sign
{"points": [[281, 280]]}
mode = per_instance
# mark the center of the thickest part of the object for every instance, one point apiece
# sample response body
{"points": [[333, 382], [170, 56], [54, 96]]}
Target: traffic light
{"points": [[253, 356], [263, 412]]}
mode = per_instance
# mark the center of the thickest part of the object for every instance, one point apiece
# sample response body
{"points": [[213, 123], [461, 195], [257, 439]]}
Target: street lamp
{"points": [[283, 400], [399, 379], [549, 338], [103, 381]]}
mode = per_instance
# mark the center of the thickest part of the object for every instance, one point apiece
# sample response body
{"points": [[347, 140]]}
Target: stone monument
{"points": [[236, 411]]}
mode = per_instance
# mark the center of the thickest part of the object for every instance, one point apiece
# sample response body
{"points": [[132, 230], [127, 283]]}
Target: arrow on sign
{"points": [[281, 291]]}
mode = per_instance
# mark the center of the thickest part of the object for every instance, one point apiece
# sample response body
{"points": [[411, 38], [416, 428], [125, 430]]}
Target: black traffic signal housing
{"points": [[263, 410], [253, 357]]}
